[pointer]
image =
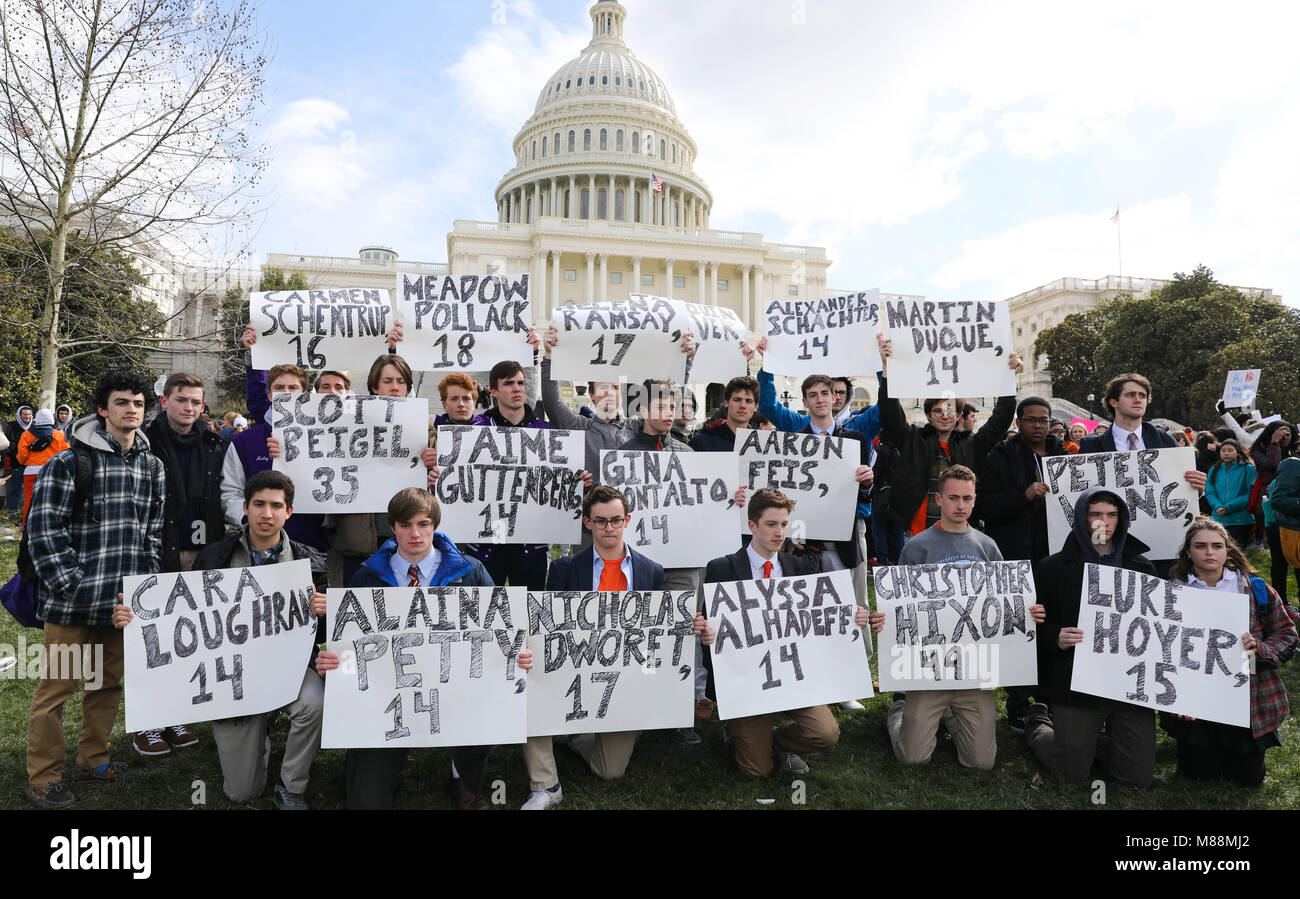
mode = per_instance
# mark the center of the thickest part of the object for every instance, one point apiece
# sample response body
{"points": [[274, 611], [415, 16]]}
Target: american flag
{"points": [[17, 125], [1115, 218], [656, 183]]}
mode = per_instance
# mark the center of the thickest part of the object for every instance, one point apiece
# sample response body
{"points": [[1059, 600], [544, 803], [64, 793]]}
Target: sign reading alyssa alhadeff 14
{"points": [[1163, 645], [611, 661], [340, 328], [425, 666], [1161, 504], [957, 347], [957, 626], [207, 645], [349, 453], [785, 643], [817, 472], [1241, 388], [510, 485], [465, 322], [814, 337], [638, 339], [682, 504]]}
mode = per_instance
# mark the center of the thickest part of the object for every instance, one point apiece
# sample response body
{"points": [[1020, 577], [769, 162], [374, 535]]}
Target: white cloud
{"points": [[316, 164]]}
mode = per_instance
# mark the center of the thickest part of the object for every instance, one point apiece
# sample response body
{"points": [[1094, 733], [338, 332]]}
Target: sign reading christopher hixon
{"points": [[786, 643], [349, 453], [340, 328], [425, 666], [815, 471], [1160, 501], [949, 347], [611, 661], [682, 504], [637, 339], [510, 485], [1163, 645], [465, 323], [957, 626], [207, 645], [813, 337]]}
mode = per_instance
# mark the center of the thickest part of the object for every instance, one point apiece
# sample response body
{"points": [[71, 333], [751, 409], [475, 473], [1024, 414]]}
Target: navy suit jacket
{"points": [[1152, 438], [575, 572]]}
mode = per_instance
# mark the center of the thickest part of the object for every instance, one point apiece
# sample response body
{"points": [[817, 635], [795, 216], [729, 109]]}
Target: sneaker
{"points": [[109, 772], [464, 799], [688, 736], [543, 799], [288, 802], [179, 737], [55, 795], [852, 705], [788, 762], [150, 743]]}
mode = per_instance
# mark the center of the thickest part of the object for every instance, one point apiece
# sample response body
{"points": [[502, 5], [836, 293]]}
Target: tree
{"points": [[1069, 348], [232, 314], [1273, 351], [126, 126]]}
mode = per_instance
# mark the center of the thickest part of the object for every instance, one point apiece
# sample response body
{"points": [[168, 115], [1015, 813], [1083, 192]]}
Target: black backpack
{"points": [[84, 457]]}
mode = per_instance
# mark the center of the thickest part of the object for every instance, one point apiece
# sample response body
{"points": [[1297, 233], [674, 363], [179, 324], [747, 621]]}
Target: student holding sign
{"points": [[740, 401], [418, 555], [1210, 559], [1067, 741]]}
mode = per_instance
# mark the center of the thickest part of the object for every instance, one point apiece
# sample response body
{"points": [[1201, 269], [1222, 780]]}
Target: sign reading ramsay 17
{"points": [[817, 472], [637, 339], [1163, 645], [836, 334], [207, 645], [949, 348], [340, 328], [425, 666], [463, 323], [611, 661], [349, 453]]}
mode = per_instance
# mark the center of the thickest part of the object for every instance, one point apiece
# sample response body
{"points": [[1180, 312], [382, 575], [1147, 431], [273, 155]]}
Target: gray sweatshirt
{"points": [[934, 544]]}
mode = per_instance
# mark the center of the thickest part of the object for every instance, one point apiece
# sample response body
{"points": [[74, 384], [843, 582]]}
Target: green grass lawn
{"points": [[859, 773]]}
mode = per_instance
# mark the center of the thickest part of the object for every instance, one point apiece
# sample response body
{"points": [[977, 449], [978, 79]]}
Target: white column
{"points": [[713, 284], [537, 198], [539, 282], [604, 275], [555, 283], [568, 208], [699, 291], [668, 264], [746, 314], [591, 277], [593, 207], [636, 275]]}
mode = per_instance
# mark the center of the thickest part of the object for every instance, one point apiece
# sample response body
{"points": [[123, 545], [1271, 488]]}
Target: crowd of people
{"points": [[109, 495]]}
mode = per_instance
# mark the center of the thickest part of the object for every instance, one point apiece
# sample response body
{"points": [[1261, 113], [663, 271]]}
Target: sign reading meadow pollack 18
{"points": [[814, 337], [949, 348], [465, 322], [349, 453], [815, 471], [425, 666], [1161, 504], [957, 626], [1163, 645], [610, 661], [682, 504], [510, 485], [206, 645], [339, 328], [785, 643], [637, 339]]}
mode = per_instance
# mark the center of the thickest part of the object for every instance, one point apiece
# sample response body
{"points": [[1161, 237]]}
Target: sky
{"points": [[959, 150]]}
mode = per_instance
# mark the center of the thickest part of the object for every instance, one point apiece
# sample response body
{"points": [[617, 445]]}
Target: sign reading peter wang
{"points": [[425, 666], [206, 645], [611, 661], [464, 323], [340, 328]]}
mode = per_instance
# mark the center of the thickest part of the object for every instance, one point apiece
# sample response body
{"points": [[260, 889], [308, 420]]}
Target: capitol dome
{"points": [[603, 134]]}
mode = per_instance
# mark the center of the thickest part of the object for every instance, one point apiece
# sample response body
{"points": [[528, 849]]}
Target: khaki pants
{"points": [[244, 747], [1290, 540], [813, 729], [45, 747], [607, 755], [914, 726]]}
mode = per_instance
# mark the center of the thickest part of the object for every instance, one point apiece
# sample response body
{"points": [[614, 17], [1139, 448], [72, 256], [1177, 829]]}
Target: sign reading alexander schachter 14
{"points": [[465, 322], [341, 328]]}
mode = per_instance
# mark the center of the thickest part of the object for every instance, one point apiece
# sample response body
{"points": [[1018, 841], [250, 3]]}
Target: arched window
{"points": [[570, 141], [636, 206], [534, 150], [601, 205], [662, 150], [636, 142], [586, 139], [543, 146], [568, 83], [604, 139], [579, 81], [618, 82], [618, 205], [604, 79], [618, 140], [674, 154], [556, 144], [586, 203]]}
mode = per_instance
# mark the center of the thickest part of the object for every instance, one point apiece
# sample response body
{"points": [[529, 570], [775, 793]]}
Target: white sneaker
{"points": [[852, 705], [539, 800]]}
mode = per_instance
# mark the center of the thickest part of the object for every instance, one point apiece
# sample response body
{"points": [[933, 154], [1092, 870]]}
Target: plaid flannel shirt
{"points": [[80, 564], [1276, 638]]}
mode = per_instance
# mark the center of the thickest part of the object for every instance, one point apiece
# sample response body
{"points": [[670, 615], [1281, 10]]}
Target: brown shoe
{"points": [[465, 800], [704, 708], [150, 743], [179, 737]]}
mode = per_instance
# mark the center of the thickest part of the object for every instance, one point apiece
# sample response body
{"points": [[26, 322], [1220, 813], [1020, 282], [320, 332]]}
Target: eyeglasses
{"points": [[606, 524], [841, 392], [1034, 421]]}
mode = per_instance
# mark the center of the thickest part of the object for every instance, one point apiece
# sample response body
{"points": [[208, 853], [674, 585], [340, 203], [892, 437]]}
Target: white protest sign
{"points": [[510, 485], [1161, 504], [349, 453], [786, 643], [954, 347], [1163, 645], [340, 328], [607, 661], [718, 332], [816, 472], [637, 339], [827, 336], [1240, 389], [682, 505], [957, 625], [207, 645], [465, 323], [425, 666]]}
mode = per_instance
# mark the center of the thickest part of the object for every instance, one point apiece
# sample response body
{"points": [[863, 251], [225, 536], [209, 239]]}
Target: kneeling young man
{"points": [[243, 744], [418, 555]]}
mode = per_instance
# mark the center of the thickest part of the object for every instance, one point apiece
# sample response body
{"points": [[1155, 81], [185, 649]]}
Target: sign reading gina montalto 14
{"points": [[636, 339], [340, 328], [465, 322], [942, 347], [811, 337]]}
